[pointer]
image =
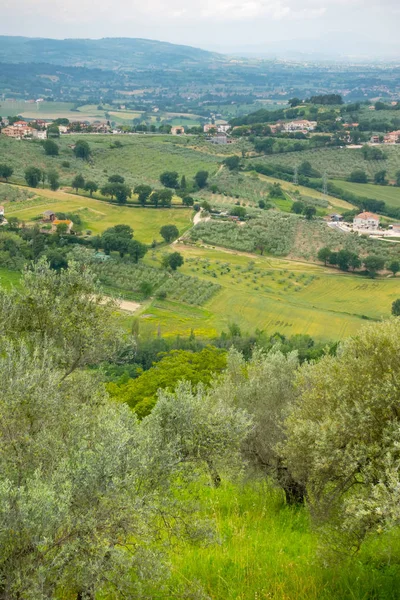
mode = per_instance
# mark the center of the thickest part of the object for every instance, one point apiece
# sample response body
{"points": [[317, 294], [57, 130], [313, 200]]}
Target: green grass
{"points": [[267, 550], [389, 194], [275, 295], [9, 278], [98, 215], [338, 162], [140, 160]]}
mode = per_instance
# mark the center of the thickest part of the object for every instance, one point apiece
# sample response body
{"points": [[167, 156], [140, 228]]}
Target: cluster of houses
{"points": [[37, 129], [393, 137]]}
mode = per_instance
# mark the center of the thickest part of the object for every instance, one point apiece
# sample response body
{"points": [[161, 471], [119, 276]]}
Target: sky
{"points": [[348, 27]]}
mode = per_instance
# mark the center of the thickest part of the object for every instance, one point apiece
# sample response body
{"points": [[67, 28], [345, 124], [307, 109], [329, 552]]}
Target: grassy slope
{"points": [[339, 162], [268, 550], [140, 160], [329, 306], [389, 194], [98, 215]]}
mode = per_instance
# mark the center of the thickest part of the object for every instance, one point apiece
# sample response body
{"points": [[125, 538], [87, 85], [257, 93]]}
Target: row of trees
{"points": [[380, 177], [346, 260]]}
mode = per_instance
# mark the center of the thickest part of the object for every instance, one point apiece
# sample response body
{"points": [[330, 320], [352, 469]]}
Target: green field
{"points": [[140, 160], [339, 162], [389, 194], [272, 294], [98, 215]]}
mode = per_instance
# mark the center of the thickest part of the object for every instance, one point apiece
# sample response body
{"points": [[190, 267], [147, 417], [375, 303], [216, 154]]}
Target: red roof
{"points": [[367, 215]]}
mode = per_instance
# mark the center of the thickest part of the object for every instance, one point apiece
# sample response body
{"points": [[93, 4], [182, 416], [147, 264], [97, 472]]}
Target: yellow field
{"points": [[274, 295], [98, 216]]}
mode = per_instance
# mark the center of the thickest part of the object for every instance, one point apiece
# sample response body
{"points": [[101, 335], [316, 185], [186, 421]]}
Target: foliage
{"points": [[170, 179], [78, 182], [396, 308], [173, 260], [91, 186], [33, 176], [54, 179], [201, 179], [232, 162], [175, 366], [82, 150], [373, 264], [6, 171], [169, 232], [343, 436], [50, 147]]}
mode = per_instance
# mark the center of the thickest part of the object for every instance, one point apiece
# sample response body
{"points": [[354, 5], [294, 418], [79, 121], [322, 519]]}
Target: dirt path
{"points": [[128, 305]]}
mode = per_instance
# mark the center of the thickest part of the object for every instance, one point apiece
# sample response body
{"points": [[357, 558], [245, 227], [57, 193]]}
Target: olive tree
{"points": [[202, 431], [344, 435], [264, 387], [65, 307], [81, 486]]}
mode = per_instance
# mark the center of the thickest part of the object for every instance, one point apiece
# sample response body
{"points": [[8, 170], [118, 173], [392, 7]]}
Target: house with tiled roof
{"points": [[366, 220]]}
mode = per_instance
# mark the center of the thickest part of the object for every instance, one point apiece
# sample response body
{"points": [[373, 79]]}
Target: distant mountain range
{"points": [[106, 53]]}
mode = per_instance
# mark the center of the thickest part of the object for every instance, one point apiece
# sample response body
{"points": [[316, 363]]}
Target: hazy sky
{"points": [[321, 25]]}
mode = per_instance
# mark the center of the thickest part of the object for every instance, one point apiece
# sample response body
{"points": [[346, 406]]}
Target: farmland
{"points": [[98, 215], [271, 294], [338, 163], [141, 158], [389, 194]]}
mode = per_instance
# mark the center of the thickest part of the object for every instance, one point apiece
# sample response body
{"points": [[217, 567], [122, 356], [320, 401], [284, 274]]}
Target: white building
{"points": [[300, 125], [366, 220]]}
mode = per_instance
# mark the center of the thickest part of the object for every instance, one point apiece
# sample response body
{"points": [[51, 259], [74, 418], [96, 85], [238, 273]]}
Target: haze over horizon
{"points": [[271, 27]]}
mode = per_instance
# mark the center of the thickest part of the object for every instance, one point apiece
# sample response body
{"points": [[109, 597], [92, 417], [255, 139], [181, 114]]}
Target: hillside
{"points": [[106, 53]]}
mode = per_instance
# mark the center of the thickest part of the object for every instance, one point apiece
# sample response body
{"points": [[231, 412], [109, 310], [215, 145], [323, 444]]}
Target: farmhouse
{"points": [[209, 127], [392, 138], [366, 220], [375, 139], [177, 130], [18, 131], [221, 138], [49, 215], [300, 125]]}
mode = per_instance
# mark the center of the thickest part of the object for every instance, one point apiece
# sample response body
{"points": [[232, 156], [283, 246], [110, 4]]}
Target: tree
{"points": [[297, 207], [354, 261], [50, 148], [394, 266], [187, 200], [122, 193], [33, 176], [117, 239], [136, 250], [232, 162], [373, 264], [91, 186], [53, 131], [183, 184], [143, 192], [380, 178], [397, 178], [238, 211], [169, 233], [264, 387], [82, 150], [174, 366], [396, 308], [358, 176], [275, 191], [116, 179], [214, 431], [54, 179], [201, 179], [66, 309], [293, 102], [307, 170], [264, 146], [170, 179], [6, 171], [146, 288], [173, 261], [164, 197], [309, 212], [324, 254], [343, 259], [78, 182], [342, 436]]}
